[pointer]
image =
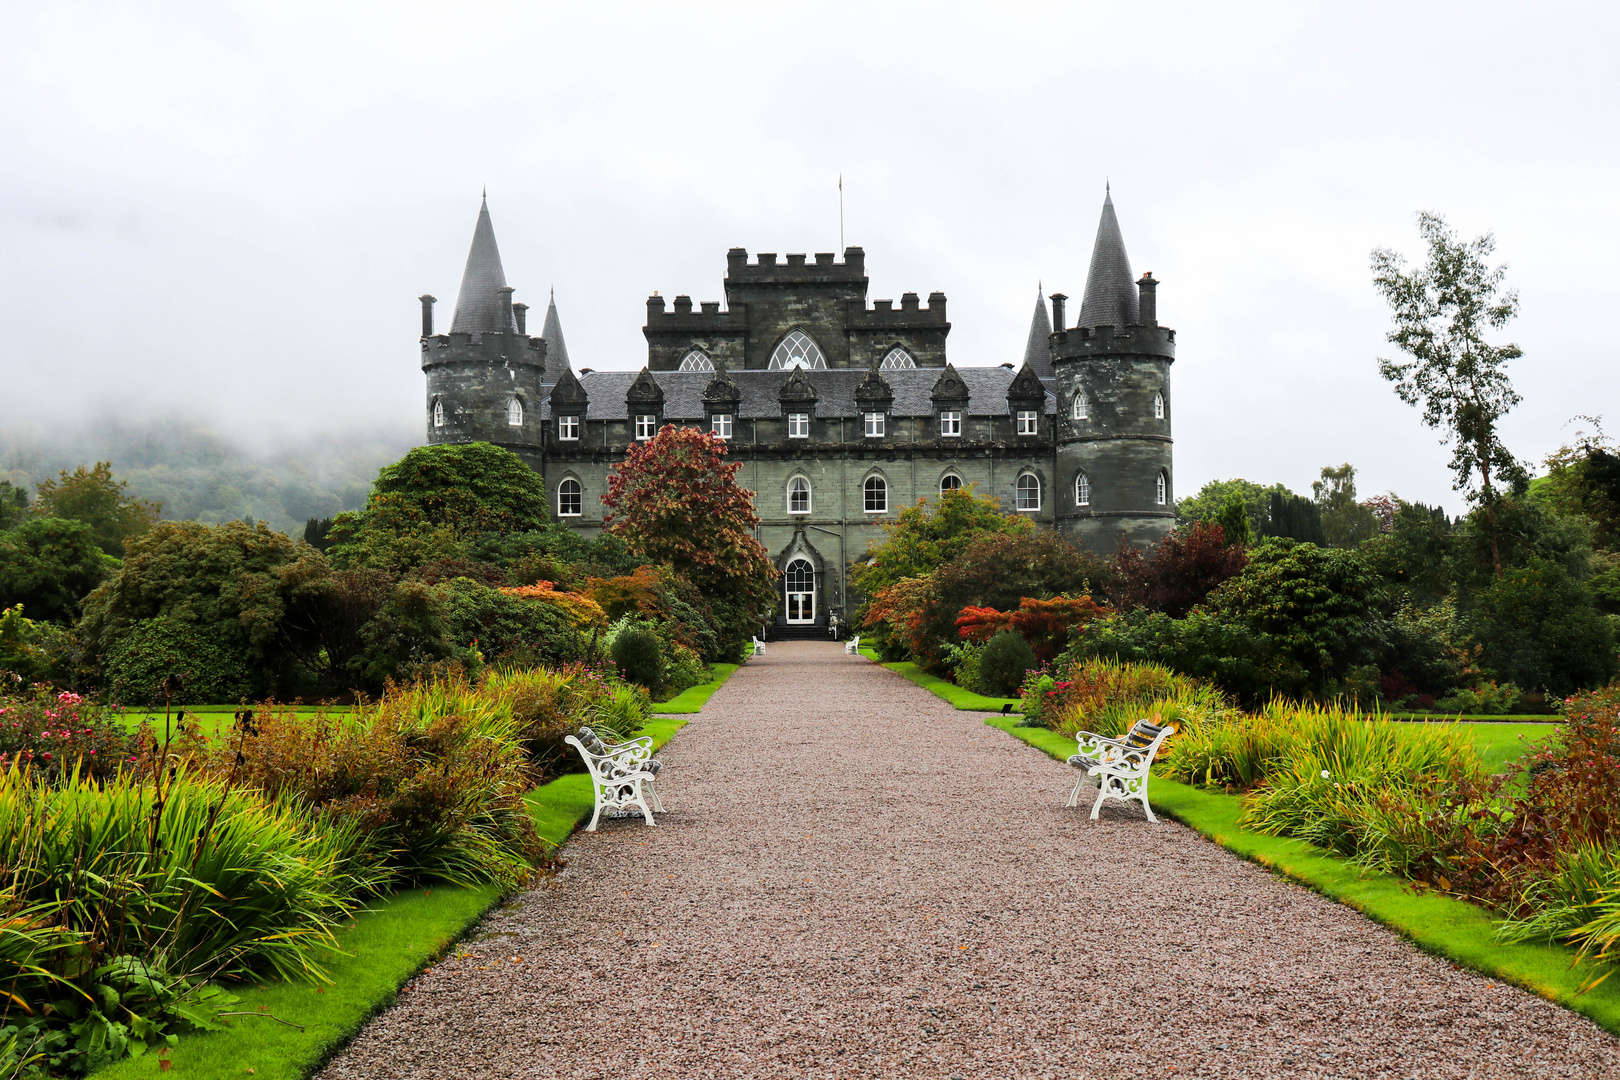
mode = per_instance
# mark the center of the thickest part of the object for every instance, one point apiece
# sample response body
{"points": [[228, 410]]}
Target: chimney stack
{"points": [[427, 313], [1148, 303], [1058, 325], [520, 312], [506, 292]]}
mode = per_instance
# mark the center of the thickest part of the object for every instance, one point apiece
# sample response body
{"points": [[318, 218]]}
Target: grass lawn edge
{"points": [[945, 690], [388, 945], [1447, 927], [693, 698]]}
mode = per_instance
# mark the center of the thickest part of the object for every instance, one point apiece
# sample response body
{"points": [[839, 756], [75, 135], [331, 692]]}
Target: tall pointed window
{"points": [[697, 360], [896, 359], [1029, 492], [1081, 409], [1082, 490], [798, 349], [1158, 405], [1162, 493], [514, 412], [568, 498], [877, 495], [438, 412], [798, 495]]}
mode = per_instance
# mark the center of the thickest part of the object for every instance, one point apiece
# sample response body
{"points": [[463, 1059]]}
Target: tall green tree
{"points": [[1345, 522], [1236, 530], [1207, 504], [13, 505], [94, 497], [48, 565], [1442, 312]]}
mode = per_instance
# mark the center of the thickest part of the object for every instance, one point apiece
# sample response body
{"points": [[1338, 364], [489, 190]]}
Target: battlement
{"points": [[912, 313], [797, 269], [491, 348], [1082, 342], [682, 317]]}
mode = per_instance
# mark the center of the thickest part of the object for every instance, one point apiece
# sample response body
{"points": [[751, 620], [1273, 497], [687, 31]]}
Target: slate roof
{"points": [[835, 387], [1038, 352], [556, 347], [1111, 298], [481, 308]]}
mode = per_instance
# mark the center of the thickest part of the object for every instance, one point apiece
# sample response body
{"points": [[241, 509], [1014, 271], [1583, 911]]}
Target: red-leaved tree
{"points": [[1175, 575], [676, 501], [1045, 624]]}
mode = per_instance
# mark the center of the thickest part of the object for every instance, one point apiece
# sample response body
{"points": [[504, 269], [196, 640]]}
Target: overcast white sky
{"points": [[232, 208]]}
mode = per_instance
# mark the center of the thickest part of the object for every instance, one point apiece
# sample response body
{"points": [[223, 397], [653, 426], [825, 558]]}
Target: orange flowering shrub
{"points": [[582, 611], [1045, 624]]}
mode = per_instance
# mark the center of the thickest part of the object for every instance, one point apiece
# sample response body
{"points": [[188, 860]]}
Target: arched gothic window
{"points": [[568, 498], [897, 358], [697, 360], [798, 495], [438, 412], [1163, 489], [949, 482], [1081, 408], [1029, 492], [798, 349], [1158, 405], [514, 412], [1082, 490], [877, 495]]}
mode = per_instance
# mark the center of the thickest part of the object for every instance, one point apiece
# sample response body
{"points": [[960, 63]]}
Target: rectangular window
{"points": [[568, 428], [874, 425], [646, 426], [799, 425], [720, 424], [950, 424], [1027, 424]]}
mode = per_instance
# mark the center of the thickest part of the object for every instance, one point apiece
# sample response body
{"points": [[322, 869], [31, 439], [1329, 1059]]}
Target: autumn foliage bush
{"points": [[1044, 624]]}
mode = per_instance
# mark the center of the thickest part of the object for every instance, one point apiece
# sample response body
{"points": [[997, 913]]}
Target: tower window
{"points": [[720, 424], [514, 412], [799, 425], [1163, 489], [568, 428], [1158, 405], [1082, 490], [874, 425], [697, 360], [1028, 424], [950, 424], [877, 495], [897, 359], [798, 349], [438, 412], [568, 499], [798, 495], [1029, 492], [1081, 409], [949, 482], [646, 426]]}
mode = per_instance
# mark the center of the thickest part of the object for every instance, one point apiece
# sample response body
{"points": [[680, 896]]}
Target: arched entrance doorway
{"points": [[799, 582]]}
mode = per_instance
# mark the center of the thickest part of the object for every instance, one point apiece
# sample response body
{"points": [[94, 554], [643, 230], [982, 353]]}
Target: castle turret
{"points": [[1038, 350], [556, 347], [1115, 474], [484, 376]]}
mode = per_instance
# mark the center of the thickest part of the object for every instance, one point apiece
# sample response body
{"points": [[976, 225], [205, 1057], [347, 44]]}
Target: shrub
{"points": [[503, 625], [49, 565], [1536, 626], [1004, 662], [55, 734], [1486, 698], [1179, 571], [637, 656], [549, 705], [1045, 625], [1250, 665], [151, 651]]}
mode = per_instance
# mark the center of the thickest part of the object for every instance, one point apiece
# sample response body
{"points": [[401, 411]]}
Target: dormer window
{"points": [[897, 359], [1028, 422], [720, 425], [799, 425], [697, 360], [1158, 405], [1081, 408], [514, 412], [646, 426], [799, 350], [438, 412], [874, 425], [568, 428], [950, 424]]}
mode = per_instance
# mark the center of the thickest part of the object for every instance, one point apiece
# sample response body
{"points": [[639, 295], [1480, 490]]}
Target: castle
{"points": [[841, 413]]}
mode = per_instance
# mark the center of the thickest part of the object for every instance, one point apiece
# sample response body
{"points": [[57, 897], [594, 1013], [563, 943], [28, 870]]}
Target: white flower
{"points": [[1326, 775]]}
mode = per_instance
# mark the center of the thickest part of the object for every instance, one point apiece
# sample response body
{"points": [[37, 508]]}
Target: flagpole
{"points": [[840, 211]]}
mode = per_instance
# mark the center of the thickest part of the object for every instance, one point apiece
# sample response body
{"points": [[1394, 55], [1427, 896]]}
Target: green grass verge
{"points": [[1480, 718], [383, 948], [693, 698], [944, 689], [1455, 929]]}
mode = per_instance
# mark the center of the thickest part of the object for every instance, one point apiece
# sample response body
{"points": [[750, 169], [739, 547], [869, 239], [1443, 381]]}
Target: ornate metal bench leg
{"points": [[652, 793], [1148, 809], [597, 814], [1074, 796], [1102, 793]]}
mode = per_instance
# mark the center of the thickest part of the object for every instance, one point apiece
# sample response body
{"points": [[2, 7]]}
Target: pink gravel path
{"points": [[855, 880]]}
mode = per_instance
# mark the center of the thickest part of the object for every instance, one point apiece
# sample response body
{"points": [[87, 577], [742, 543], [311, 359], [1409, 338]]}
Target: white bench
{"points": [[623, 774], [759, 648], [1120, 766], [853, 646]]}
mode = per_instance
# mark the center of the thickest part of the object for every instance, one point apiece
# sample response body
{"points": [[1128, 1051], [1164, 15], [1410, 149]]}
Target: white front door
{"points": [[800, 581]]}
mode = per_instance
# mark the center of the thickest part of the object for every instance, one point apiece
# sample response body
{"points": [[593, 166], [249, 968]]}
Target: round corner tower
{"points": [[1115, 473], [484, 376]]}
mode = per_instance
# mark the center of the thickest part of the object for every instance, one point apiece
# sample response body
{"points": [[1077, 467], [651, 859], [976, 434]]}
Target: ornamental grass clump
{"points": [[1107, 696], [552, 704]]}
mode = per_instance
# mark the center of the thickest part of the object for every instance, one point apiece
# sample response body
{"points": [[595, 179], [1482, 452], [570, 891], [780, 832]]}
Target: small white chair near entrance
{"points": [[1120, 766], [623, 774], [758, 648], [853, 645]]}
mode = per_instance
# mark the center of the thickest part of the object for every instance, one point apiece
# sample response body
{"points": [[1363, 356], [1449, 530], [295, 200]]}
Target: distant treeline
{"points": [[198, 474]]}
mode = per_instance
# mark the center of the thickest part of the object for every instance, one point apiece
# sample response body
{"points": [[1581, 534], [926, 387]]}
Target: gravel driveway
{"points": [[853, 879]]}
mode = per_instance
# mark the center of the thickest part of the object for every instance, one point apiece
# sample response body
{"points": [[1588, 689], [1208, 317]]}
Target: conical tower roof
{"points": [[556, 347], [481, 307], [1038, 353], [1110, 298]]}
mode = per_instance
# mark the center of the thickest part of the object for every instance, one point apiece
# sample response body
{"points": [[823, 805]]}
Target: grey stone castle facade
{"points": [[841, 412]]}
